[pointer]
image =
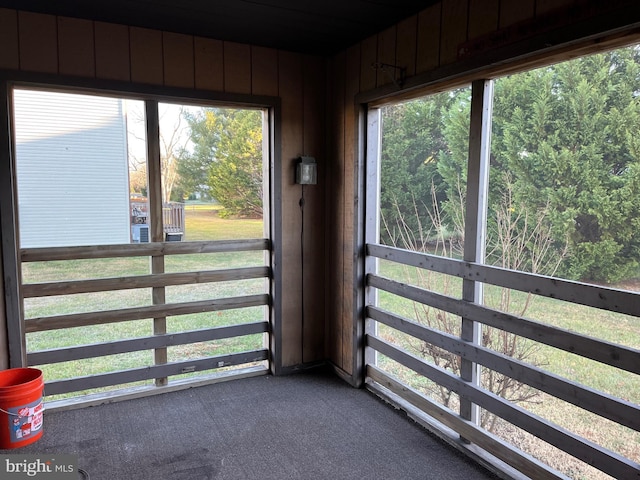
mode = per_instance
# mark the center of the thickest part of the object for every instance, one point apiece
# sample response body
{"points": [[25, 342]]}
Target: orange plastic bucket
{"points": [[21, 407]]}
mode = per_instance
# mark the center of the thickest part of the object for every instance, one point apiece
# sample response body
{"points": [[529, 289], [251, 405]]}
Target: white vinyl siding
{"points": [[72, 169]]}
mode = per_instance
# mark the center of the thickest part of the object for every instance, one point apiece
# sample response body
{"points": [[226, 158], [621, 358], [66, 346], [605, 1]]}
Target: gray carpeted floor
{"points": [[307, 426]]}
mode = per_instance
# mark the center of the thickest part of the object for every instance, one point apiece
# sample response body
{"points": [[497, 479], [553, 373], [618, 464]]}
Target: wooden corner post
{"points": [[154, 169], [475, 224]]}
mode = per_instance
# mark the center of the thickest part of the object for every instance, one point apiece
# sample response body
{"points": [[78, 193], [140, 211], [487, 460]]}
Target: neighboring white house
{"points": [[72, 169]]}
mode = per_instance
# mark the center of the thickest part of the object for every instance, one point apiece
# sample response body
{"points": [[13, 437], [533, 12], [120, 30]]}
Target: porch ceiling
{"points": [[309, 26]]}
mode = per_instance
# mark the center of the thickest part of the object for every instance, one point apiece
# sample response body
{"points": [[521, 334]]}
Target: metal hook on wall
{"points": [[391, 71]]}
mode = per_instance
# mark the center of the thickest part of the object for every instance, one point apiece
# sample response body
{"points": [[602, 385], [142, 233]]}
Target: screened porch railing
{"points": [[161, 339], [610, 407]]}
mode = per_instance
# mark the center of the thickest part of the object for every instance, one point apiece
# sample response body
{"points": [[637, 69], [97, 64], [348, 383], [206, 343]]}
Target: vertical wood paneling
{"points": [[264, 71], [291, 94], [428, 41], [112, 51], [454, 29], [514, 12], [386, 54], [208, 64], [9, 39], [349, 246], [177, 51], [313, 235], [406, 44], [335, 314], [146, 55], [368, 58], [76, 47], [546, 6], [237, 68], [38, 42], [483, 17]]}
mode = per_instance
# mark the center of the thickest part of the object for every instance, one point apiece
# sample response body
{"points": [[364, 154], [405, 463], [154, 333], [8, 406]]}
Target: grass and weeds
{"points": [[202, 223], [609, 326]]}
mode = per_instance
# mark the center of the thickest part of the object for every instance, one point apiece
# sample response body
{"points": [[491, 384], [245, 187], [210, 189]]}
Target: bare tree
{"points": [[522, 239], [172, 144], [173, 136]]}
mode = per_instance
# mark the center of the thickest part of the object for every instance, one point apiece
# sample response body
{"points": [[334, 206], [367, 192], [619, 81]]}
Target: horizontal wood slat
{"points": [[609, 353], [67, 354], [142, 391], [140, 250], [47, 289], [605, 460], [618, 410], [499, 448], [153, 371], [567, 290], [136, 313]]}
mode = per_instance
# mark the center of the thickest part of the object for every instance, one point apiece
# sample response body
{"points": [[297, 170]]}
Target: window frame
{"points": [[151, 95]]}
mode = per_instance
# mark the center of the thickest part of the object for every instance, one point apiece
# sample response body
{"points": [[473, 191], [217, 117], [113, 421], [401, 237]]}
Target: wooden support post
{"points": [[475, 223], [9, 242], [268, 209], [372, 215], [154, 169]]}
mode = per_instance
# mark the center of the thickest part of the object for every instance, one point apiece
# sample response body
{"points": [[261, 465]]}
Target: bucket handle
{"points": [[16, 414], [9, 413]]}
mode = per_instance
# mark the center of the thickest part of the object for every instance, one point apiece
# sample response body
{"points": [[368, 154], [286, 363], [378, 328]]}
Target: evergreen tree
{"points": [[566, 134], [565, 154], [413, 148], [226, 162]]}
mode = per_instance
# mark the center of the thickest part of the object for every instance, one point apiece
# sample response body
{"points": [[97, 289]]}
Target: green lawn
{"points": [[613, 327], [202, 223]]}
